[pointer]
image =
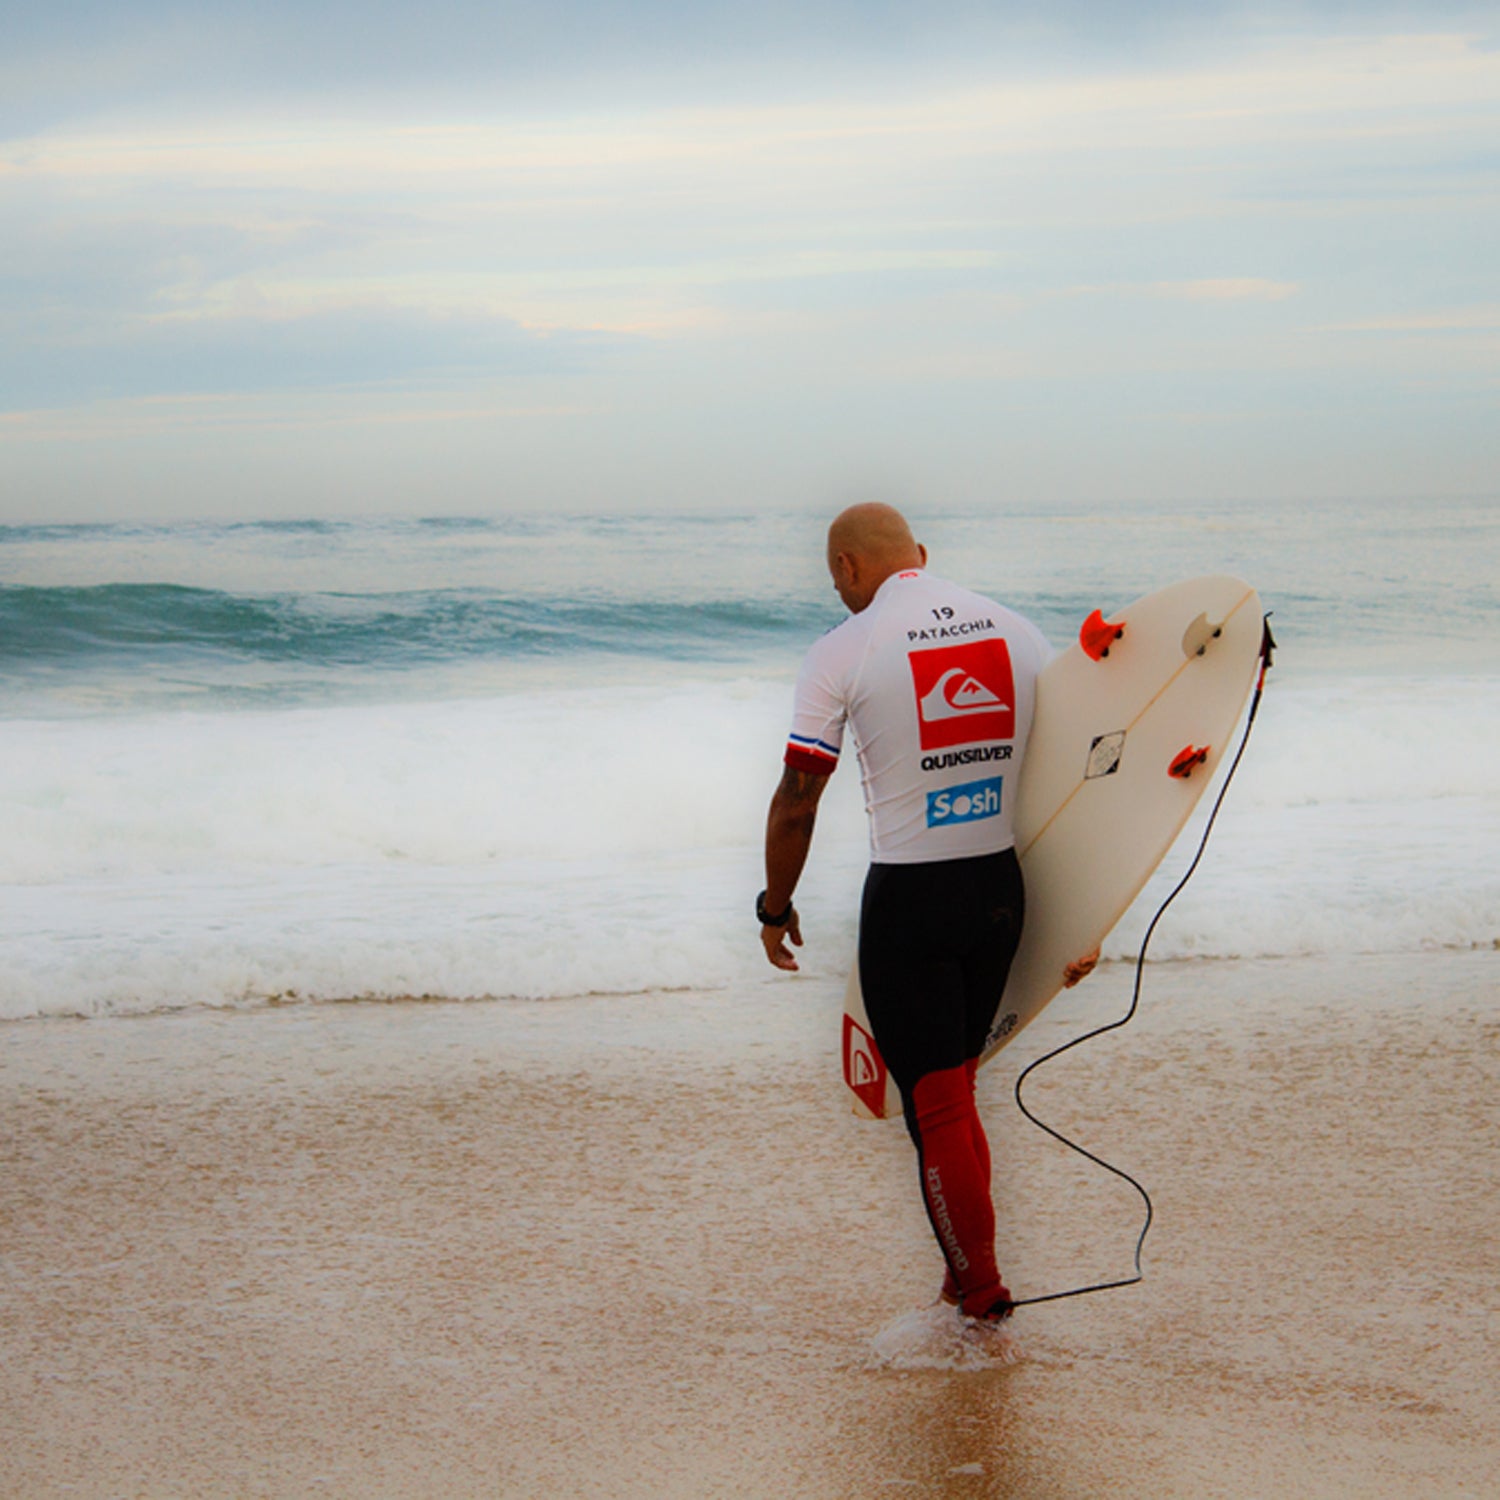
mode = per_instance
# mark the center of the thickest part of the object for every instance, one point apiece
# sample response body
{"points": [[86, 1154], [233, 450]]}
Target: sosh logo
{"points": [[964, 804]]}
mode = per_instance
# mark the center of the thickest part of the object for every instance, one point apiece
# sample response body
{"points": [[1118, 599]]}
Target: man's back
{"points": [[938, 684]]}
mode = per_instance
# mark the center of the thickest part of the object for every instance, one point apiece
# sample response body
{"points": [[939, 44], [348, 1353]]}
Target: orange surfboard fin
{"points": [[1096, 635], [1187, 760]]}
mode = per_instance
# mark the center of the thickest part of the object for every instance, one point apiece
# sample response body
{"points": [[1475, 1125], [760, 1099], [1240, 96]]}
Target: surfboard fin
{"points": [[1096, 635], [1187, 760]]}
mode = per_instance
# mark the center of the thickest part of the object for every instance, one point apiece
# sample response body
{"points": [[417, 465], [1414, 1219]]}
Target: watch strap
{"points": [[770, 918]]}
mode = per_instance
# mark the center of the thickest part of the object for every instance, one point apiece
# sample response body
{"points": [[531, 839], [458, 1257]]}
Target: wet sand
{"points": [[635, 1246]]}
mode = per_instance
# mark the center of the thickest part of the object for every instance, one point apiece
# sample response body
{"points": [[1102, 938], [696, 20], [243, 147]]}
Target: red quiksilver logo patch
{"points": [[964, 693], [864, 1067]]}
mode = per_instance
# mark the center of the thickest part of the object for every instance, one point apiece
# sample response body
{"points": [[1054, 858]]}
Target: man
{"points": [[938, 685]]}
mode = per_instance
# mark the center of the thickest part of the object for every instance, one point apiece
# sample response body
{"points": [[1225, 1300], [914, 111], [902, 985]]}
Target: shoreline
{"points": [[816, 973], [627, 1246]]}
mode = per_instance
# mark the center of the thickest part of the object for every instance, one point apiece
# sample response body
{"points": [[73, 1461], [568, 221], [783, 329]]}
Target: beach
{"points": [[422, 435], [637, 1246]]}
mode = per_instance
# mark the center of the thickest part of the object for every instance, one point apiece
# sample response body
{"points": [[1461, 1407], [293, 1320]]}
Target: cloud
{"points": [[1485, 319], [1201, 289], [1228, 289], [876, 260], [264, 413], [97, 59], [243, 352]]}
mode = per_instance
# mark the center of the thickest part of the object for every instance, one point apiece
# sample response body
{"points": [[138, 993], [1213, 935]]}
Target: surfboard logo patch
{"points": [[964, 693], [1104, 755], [864, 1067]]}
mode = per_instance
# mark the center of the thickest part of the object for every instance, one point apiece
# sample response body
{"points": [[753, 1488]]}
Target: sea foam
{"points": [[604, 840]]}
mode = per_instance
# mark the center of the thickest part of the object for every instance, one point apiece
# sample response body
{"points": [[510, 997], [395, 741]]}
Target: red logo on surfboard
{"points": [[864, 1067], [964, 693]]}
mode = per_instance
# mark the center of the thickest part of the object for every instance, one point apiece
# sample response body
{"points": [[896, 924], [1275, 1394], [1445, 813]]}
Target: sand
{"points": [[634, 1246]]}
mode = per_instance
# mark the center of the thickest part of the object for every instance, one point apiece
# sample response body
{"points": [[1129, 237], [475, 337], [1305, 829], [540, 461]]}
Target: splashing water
{"points": [[941, 1338]]}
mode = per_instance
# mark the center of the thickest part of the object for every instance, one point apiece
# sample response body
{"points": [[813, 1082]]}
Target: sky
{"points": [[323, 259]]}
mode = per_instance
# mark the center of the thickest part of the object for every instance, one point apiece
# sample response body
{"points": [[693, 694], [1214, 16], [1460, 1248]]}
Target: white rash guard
{"points": [[938, 684]]}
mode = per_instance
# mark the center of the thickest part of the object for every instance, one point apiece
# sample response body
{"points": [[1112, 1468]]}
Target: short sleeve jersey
{"points": [[938, 686]]}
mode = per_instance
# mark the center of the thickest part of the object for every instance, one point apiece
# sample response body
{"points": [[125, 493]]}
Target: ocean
{"points": [[529, 756]]}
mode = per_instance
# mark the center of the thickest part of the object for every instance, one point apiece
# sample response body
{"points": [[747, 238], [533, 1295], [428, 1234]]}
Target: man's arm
{"points": [[789, 831]]}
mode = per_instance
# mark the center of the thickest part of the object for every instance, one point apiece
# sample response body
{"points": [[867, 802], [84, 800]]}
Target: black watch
{"points": [[771, 919]]}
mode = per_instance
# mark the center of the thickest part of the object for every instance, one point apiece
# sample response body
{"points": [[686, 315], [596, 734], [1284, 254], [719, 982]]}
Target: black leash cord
{"points": [[1266, 647]]}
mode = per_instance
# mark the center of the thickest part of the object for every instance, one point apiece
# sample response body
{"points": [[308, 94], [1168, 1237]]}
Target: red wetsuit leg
{"points": [[980, 1143], [954, 1162]]}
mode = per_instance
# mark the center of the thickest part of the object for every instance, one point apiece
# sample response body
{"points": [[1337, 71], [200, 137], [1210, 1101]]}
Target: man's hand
{"points": [[1080, 968], [789, 831], [773, 940]]}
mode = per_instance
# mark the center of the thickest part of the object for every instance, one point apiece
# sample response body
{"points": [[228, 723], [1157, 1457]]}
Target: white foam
{"points": [[941, 1338], [579, 774], [1363, 819], [1389, 740], [565, 842]]}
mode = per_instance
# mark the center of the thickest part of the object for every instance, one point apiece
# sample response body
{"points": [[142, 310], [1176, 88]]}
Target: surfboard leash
{"points": [[1267, 647]]}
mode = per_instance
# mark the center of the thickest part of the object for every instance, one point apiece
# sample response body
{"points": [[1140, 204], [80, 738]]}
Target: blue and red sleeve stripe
{"points": [[812, 756]]}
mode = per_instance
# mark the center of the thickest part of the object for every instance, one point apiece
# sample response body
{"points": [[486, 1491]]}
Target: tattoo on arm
{"points": [[801, 786]]}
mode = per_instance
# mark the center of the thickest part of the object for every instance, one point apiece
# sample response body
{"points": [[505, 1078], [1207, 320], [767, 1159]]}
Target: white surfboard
{"points": [[1105, 788]]}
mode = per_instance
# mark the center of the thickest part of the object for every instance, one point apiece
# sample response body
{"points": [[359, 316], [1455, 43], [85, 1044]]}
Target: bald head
{"points": [[866, 544]]}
